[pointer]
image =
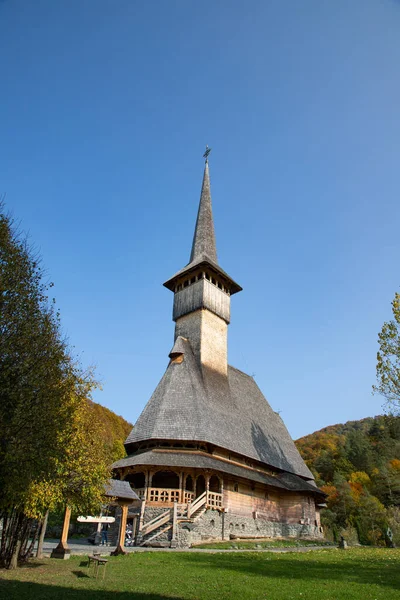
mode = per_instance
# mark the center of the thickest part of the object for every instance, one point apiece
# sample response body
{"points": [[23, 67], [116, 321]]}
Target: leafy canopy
{"points": [[388, 359]]}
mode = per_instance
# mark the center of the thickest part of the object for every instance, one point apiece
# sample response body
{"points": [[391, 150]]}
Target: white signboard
{"points": [[96, 519]]}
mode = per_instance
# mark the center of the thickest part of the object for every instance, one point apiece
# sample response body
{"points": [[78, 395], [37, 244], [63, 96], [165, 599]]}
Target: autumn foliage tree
{"points": [[51, 450], [357, 465]]}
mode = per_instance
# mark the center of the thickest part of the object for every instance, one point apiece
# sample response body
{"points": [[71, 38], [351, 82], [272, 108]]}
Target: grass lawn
{"points": [[357, 573]]}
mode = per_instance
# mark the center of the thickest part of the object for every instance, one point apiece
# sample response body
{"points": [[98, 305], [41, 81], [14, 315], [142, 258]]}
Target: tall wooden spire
{"points": [[204, 246], [204, 250]]}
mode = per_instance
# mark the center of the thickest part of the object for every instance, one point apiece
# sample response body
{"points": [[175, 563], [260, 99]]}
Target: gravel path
{"points": [[82, 548]]}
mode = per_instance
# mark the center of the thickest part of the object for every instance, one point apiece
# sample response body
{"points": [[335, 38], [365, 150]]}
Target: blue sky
{"points": [[106, 108]]}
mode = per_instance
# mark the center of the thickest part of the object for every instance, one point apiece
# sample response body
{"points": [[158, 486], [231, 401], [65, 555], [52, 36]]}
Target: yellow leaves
{"points": [[41, 496], [361, 478]]}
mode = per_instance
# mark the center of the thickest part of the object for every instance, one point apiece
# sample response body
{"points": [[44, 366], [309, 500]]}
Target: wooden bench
{"points": [[97, 561]]}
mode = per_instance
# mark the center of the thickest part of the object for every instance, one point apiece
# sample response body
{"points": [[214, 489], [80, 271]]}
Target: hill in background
{"points": [[357, 464]]}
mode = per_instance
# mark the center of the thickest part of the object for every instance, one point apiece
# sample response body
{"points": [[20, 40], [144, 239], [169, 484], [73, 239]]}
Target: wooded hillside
{"points": [[357, 464]]}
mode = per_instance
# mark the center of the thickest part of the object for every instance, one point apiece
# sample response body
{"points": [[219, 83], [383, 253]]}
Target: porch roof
{"points": [[203, 461]]}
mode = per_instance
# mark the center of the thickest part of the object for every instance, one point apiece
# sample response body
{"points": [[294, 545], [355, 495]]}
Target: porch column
{"points": [[207, 478], [150, 482], [122, 529], [181, 487], [146, 483], [62, 550]]}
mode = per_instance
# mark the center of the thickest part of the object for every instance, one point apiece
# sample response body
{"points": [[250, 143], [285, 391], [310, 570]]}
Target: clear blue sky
{"points": [[106, 107]]}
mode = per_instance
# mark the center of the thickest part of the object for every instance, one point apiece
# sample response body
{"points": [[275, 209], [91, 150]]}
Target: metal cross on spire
{"points": [[206, 153]]}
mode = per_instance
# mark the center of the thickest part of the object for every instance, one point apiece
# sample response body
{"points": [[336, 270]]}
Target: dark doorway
{"points": [[200, 486], [189, 483], [137, 480], [214, 485], [165, 479]]}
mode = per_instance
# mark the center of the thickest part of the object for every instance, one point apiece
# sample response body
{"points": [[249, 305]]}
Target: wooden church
{"points": [[208, 457]]}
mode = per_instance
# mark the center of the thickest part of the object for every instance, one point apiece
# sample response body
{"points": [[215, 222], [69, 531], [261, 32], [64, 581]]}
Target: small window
{"points": [[186, 283], [207, 277], [243, 526], [266, 496], [193, 280], [236, 487], [212, 523], [309, 500]]}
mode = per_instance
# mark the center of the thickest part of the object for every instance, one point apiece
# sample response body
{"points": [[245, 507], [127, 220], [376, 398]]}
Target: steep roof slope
{"points": [[201, 405]]}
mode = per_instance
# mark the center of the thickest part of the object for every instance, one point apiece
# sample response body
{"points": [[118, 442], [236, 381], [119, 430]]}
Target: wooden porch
{"points": [[166, 487]]}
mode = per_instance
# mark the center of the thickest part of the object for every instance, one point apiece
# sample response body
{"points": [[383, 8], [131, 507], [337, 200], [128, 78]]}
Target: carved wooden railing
{"points": [[141, 492], [188, 496], [214, 500], [158, 521], [163, 495]]}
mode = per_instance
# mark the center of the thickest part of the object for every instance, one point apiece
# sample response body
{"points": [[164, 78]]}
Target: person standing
{"points": [[104, 534]]}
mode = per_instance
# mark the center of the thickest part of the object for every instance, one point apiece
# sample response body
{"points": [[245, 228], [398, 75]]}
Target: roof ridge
{"points": [[239, 371]]}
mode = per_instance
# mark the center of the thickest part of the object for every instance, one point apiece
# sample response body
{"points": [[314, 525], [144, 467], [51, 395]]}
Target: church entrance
{"points": [[200, 485]]}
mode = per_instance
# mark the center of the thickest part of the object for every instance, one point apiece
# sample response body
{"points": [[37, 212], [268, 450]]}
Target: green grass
{"points": [[263, 543], [354, 574]]}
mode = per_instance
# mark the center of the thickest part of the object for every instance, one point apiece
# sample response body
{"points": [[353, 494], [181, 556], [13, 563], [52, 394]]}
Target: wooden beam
{"points": [[62, 550], [122, 529]]}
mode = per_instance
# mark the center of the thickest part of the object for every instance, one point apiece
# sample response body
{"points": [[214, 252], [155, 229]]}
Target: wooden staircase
{"points": [[172, 517]]}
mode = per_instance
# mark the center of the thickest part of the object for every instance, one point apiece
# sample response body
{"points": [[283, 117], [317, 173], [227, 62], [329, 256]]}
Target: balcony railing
{"points": [[167, 495], [214, 500], [141, 492], [163, 495]]}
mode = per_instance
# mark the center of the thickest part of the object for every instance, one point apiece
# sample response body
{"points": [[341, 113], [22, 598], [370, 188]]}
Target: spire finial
{"points": [[206, 153]]}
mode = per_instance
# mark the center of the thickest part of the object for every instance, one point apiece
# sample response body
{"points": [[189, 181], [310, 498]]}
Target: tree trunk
{"points": [[39, 553], [14, 556]]}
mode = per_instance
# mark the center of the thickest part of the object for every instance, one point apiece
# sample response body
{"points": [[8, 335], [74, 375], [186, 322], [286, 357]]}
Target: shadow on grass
{"points": [[18, 590], [31, 565], [379, 571], [80, 574]]}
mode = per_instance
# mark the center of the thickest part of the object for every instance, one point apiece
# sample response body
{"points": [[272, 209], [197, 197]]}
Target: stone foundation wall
{"points": [[213, 525]]}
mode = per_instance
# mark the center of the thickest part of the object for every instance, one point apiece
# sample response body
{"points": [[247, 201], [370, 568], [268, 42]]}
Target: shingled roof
{"points": [[120, 489], [193, 404]]}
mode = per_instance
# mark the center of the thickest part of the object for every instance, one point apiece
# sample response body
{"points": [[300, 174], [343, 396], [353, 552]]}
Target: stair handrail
{"points": [[150, 525], [198, 503]]}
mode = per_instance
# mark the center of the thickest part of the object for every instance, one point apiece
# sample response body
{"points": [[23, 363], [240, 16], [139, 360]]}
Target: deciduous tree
{"points": [[388, 359], [50, 446]]}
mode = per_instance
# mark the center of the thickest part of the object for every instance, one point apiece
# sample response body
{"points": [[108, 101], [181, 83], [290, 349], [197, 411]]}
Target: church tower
{"points": [[202, 292]]}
